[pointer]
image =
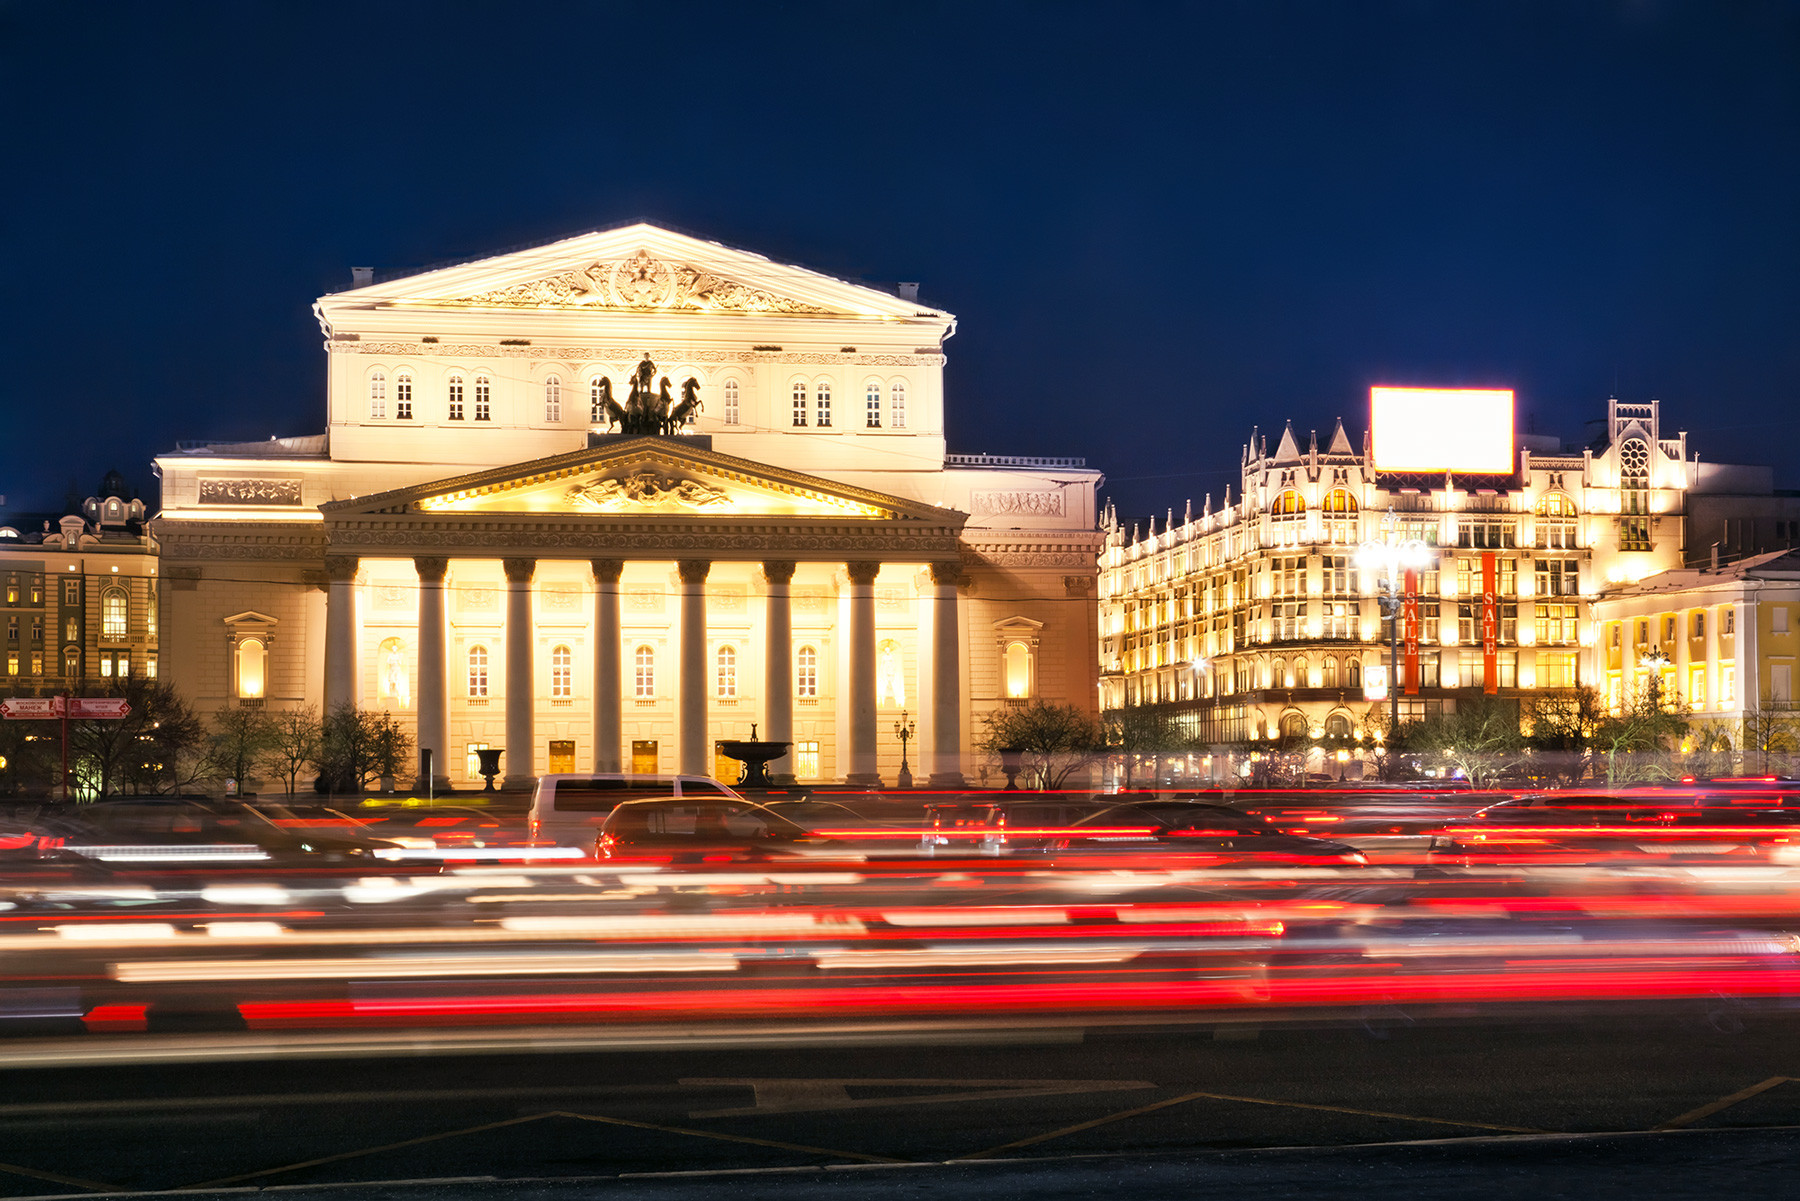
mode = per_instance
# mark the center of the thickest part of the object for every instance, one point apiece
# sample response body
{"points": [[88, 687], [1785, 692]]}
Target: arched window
{"points": [[806, 672], [1353, 676], [71, 662], [643, 662], [897, 405], [1329, 676], [252, 667], [1018, 670], [1339, 502], [731, 402], [403, 396], [822, 406], [456, 396], [1293, 725], [596, 402], [1337, 725], [391, 682], [562, 673], [799, 405], [890, 678], [115, 610], [1277, 673], [872, 405], [478, 671], [553, 399], [725, 673], [378, 396], [1300, 677], [484, 397], [1289, 504]]}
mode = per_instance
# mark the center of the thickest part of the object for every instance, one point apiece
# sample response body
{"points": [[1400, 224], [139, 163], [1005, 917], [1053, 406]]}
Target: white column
{"points": [[1749, 688], [434, 701], [340, 631], [862, 675], [520, 761], [778, 664], [609, 688], [695, 755], [1682, 629], [946, 678], [1712, 659]]}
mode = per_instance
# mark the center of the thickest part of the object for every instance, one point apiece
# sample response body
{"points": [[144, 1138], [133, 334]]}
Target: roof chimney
{"points": [[908, 291], [361, 277]]}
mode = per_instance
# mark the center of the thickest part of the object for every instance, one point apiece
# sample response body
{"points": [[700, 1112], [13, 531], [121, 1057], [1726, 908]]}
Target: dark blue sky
{"points": [[1159, 224]]}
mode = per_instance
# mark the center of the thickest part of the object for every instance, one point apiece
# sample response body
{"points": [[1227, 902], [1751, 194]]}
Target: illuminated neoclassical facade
{"points": [[624, 496], [1250, 621]]}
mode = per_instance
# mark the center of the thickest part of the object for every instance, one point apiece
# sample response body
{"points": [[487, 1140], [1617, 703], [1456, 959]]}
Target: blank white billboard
{"points": [[1442, 429]]}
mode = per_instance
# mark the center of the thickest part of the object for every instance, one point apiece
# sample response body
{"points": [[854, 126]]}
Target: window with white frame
{"points": [[252, 668], [484, 395], [403, 396], [562, 673], [731, 402], [806, 759], [872, 406], [822, 407], [115, 610], [799, 405], [596, 401], [643, 663], [725, 673], [456, 396], [478, 672], [897, 405], [806, 672], [553, 399], [378, 396]]}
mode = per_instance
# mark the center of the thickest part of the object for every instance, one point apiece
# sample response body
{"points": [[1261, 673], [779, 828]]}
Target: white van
{"points": [[567, 809]]}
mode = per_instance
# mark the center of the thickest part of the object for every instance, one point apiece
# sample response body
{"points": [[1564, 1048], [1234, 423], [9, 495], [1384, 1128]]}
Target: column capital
{"points": [[341, 568], [946, 573], [607, 571], [693, 571], [779, 571], [431, 568], [519, 571], [861, 572]]}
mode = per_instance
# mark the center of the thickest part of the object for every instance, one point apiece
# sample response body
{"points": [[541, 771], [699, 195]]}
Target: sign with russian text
{"points": [[31, 708], [49, 708], [1409, 631], [1490, 626], [106, 708]]}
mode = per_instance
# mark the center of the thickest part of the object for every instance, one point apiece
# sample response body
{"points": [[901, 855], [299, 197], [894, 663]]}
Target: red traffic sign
{"points": [[29, 707], [41, 708], [99, 706]]}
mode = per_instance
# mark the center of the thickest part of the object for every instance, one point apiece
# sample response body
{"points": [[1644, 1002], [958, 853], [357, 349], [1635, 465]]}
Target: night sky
{"points": [[1157, 224]]}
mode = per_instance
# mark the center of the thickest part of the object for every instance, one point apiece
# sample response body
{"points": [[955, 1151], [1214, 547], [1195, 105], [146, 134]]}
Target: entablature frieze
{"points": [[723, 541], [191, 540], [619, 354], [1017, 548]]}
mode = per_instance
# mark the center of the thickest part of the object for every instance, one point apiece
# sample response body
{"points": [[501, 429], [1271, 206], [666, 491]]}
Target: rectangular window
{"points": [[472, 765], [1634, 533], [644, 674], [799, 405], [806, 760], [552, 400], [71, 592], [12, 663], [106, 666], [1556, 669], [124, 666], [1557, 577], [1778, 619], [1781, 683], [456, 398], [1727, 621], [478, 671], [483, 397], [823, 408], [1697, 686], [403, 397], [1727, 684], [1556, 625], [12, 629], [1698, 630], [873, 405], [897, 407], [643, 756]]}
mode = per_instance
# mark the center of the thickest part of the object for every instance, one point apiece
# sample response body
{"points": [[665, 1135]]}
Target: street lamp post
{"points": [[1394, 555], [903, 730]]}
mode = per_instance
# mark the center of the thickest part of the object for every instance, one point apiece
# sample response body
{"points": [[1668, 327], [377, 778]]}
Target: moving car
{"points": [[1582, 827], [566, 810], [697, 829]]}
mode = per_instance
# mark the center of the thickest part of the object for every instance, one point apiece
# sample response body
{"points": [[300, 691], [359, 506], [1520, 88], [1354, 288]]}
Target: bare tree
{"points": [[238, 741], [293, 744], [1481, 740], [152, 749], [1640, 740], [1563, 727], [1056, 740], [1140, 730]]}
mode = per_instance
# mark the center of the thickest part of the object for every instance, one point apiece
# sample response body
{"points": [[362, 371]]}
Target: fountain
{"points": [[755, 755]]}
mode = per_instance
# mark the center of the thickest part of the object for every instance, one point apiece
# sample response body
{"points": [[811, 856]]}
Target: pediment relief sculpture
{"points": [[646, 491], [641, 281]]}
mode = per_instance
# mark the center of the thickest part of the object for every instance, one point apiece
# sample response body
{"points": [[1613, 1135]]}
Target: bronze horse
{"points": [[684, 413], [606, 409]]}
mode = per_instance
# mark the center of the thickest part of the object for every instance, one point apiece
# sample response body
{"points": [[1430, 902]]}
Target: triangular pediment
{"points": [[648, 477], [636, 268]]}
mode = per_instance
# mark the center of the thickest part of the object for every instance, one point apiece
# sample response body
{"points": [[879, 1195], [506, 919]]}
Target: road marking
{"points": [[813, 1095], [732, 1138], [1186, 1097], [411, 1142], [1706, 1111], [53, 1178]]}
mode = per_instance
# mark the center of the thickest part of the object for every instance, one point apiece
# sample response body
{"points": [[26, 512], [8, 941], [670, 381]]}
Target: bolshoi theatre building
{"points": [[608, 502]]}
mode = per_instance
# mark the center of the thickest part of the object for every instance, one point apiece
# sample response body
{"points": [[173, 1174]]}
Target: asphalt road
{"points": [[1446, 1108]]}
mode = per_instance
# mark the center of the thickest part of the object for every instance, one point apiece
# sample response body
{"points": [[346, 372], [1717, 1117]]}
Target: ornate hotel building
{"points": [[1249, 621], [610, 501]]}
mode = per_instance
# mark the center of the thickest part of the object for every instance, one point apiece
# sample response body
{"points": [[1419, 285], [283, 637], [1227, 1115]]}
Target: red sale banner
{"points": [[1409, 631], [1490, 626]]}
